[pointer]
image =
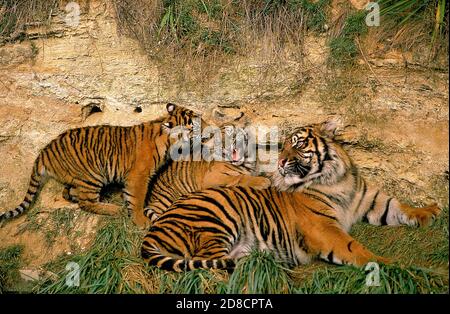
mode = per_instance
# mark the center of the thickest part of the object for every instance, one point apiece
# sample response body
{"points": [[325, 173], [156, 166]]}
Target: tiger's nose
{"points": [[282, 162]]}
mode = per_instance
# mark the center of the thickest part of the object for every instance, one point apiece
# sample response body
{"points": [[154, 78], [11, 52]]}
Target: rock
{"points": [[36, 274], [29, 274]]}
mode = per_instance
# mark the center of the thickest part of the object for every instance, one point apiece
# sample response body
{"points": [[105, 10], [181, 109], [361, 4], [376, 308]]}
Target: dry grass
{"points": [[194, 39], [16, 15]]}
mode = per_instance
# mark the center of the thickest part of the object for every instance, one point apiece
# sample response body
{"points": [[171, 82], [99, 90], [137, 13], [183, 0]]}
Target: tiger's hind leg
{"points": [[334, 245], [89, 200], [385, 210]]}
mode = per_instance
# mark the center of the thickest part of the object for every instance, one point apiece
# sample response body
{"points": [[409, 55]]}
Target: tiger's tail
{"points": [[154, 257], [36, 182]]}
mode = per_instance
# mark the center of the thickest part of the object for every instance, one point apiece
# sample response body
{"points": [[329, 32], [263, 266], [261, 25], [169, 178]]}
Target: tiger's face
{"points": [[303, 152], [233, 142], [310, 155]]}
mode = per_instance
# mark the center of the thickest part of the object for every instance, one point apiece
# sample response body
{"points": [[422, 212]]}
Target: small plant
{"points": [[431, 14], [316, 16], [59, 222], [34, 50], [343, 49], [16, 15]]}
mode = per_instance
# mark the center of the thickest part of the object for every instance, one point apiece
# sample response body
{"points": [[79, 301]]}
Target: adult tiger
{"points": [[177, 178], [87, 159], [214, 227]]}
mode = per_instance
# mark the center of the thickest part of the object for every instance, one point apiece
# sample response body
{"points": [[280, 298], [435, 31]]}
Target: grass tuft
{"points": [[259, 272]]}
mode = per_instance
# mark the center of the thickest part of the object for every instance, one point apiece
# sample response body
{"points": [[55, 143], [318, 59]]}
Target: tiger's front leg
{"points": [[333, 244], [134, 192]]}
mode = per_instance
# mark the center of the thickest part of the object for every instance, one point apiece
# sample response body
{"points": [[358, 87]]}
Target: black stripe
{"points": [[349, 246], [319, 213], [332, 198], [169, 231], [197, 264], [385, 214], [317, 198], [168, 265], [155, 258], [372, 205], [229, 263], [154, 178], [330, 257], [225, 212], [363, 194]]}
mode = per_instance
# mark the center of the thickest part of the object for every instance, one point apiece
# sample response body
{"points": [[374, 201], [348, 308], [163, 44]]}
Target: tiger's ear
{"points": [[171, 108], [166, 127], [331, 127]]}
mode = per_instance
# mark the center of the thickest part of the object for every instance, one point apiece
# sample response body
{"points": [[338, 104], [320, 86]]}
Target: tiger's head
{"points": [[310, 155], [233, 141], [182, 117]]}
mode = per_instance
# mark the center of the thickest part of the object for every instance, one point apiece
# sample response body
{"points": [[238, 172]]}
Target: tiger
{"points": [[318, 194], [177, 178], [87, 159]]}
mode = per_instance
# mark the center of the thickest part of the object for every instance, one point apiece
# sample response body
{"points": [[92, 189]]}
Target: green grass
{"points": [[420, 21], [316, 14], [114, 248], [259, 272], [343, 48], [10, 260], [113, 265]]}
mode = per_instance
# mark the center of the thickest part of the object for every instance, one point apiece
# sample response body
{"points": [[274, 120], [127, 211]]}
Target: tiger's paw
{"points": [[140, 221], [423, 216]]}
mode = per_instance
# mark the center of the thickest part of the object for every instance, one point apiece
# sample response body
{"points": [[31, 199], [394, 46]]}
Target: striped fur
{"points": [[312, 162], [320, 195], [177, 178], [89, 158]]}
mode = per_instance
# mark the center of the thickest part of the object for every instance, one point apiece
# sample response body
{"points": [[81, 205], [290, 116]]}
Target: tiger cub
{"points": [[177, 178], [87, 159], [214, 227]]}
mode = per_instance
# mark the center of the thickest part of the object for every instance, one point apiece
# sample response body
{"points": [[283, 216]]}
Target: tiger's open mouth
{"points": [[294, 170], [235, 156]]}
